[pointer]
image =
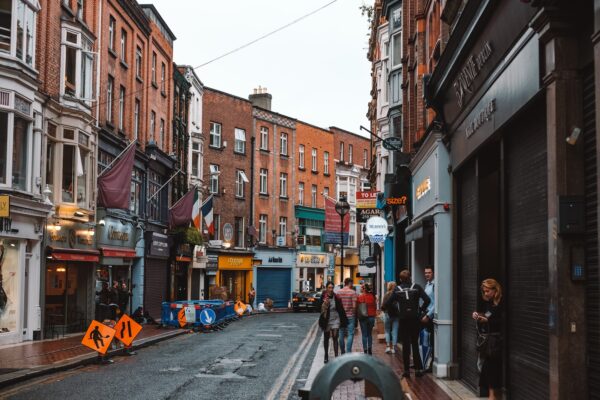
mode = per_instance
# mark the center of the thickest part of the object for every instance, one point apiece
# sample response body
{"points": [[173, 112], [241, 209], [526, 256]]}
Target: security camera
{"points": [[572, 139]]}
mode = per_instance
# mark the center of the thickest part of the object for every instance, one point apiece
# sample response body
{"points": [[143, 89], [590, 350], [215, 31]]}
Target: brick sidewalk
{"points": [[424, 388]]}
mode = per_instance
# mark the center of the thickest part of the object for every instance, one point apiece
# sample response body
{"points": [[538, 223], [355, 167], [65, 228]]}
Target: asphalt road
{"points": [[260, 357]]}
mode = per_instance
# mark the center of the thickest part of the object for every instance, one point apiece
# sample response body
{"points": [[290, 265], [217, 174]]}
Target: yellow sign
{"points": [[423, 188], [127, 329], [98, 337], [233, 262], [4, 206]]}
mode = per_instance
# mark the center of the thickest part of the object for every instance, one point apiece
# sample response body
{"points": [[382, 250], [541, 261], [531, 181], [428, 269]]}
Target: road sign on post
{"points": [[392, 143], [98, 337], [127, 329]]}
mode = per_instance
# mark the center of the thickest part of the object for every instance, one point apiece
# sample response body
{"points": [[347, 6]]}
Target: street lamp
{"points": [[342, 208]]}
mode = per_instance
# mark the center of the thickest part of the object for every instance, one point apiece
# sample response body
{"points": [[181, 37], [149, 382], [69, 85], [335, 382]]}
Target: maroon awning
{"points": [[62, 254], [117, 252]]}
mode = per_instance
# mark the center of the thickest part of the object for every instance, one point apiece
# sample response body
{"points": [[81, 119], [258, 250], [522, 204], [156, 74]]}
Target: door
{"points": [[275, 284]]}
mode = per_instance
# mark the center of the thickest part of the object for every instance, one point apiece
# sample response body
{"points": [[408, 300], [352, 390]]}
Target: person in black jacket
{"points": [[404, 303], [333, 316], [489, 323]]}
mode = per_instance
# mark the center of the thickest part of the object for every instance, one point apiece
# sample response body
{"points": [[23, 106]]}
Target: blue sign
{"points": [[331, 267], [208, 316]]}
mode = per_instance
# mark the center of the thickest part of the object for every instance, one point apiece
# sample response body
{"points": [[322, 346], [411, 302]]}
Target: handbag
{"points": [[489, 345], [361, 311], [324, 319]]}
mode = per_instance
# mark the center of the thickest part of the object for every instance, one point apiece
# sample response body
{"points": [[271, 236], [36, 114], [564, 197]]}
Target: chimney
{"points": [[261, 98]]}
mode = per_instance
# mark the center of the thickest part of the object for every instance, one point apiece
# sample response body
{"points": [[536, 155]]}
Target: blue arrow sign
{"points": [[208, 316]]}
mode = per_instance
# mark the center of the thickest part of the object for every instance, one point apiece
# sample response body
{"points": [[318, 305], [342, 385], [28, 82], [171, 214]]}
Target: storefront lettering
{"points": [[275, 259], [423, 188], [234, 262], [56, 236], [483, 116], [114, 234], [469, 72], [311, 259], [397, 201]]}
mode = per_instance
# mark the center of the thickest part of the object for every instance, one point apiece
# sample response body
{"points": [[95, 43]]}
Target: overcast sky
{"points": [[316, 70]]}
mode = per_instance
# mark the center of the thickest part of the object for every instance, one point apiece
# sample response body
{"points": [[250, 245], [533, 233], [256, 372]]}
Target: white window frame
{"points": [[365, 158], [283, 144], [314, 159], [80, 147], [341, 151], [239, 145], [215, 135], [28, 46], [326, 163], [350, 153], [153, 67], [139, 62], [283, 184], [198, 164], [112, 26], [153, 126], [11, 114], [122, 95], [262, 228], [85, 61], [110, 92], [264, 138], [162, 135], [263, 181], [313, 196], [214, 179], [240, 180], [136, 119], [301, 193], [283, 227], [123, 45], [301, 156]]}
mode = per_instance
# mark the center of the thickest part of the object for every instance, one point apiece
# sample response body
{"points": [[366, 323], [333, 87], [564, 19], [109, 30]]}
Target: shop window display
{"points": [[9, 285]]}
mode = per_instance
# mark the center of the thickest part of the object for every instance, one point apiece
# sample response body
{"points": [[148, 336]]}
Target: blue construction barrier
{"points": [[224, 312]]}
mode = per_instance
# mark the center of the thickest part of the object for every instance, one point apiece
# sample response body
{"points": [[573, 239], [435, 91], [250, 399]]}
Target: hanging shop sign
{"points": [[116, 233], [70, 235], [159, 245], [311, 260], [377, 229], [392, 143], [423, 188], [4, 206], [366, 199]]}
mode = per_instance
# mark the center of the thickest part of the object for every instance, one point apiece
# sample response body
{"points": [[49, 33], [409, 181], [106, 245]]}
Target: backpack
{"points": [[406, 303]]}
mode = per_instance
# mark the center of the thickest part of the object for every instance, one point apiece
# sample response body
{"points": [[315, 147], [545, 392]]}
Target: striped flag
{"points": [[207, 214], [196, 210]]}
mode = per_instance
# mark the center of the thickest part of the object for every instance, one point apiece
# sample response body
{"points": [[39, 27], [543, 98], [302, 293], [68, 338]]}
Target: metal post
{"points": [[342, 248]]}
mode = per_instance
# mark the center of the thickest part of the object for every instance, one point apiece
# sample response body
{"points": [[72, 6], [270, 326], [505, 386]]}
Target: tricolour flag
{"points": [[196, 211], [207, 214]]}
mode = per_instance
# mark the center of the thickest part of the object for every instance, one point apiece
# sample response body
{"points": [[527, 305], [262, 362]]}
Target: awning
{"points": [[419, 229], [61, 254], [117, 252]]}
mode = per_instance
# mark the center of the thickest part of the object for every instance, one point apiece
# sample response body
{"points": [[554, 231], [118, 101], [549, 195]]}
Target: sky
{"points": [[316, 70]]}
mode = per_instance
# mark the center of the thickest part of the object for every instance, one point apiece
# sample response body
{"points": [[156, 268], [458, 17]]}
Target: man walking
{"points": [[349, 297], [427, 319]]}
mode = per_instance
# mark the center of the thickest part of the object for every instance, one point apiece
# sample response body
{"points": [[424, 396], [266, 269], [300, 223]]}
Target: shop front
{"points": [[274, 273], [311, 271], [235, 274], [156, 267], [180, 273], [430, 239], [198, 288], [350, 269], [116, 238], [21, 223], [71, 260]]}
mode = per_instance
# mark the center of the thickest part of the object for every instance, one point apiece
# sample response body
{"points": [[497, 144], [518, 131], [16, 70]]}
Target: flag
{"points": [[180, 214], [207, 214], [114, 186], [333, 223], [196, 211]]}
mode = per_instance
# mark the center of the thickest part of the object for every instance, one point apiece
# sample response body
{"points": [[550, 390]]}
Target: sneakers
{"points": [[388, 349], [393, 351]]}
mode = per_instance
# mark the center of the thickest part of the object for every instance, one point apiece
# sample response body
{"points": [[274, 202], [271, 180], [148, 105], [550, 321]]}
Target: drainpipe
{"points": [[252, 141]]}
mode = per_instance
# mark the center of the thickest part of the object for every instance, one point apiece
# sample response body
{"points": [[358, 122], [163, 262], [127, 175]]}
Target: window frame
{"points": [[263, 221], [264, 138], [122, 95], [84, 64], [283, 228], [139, 62], [215, 136], [214, 179], [301, 193], [264, 181], [153, 68], [110, 89], [313, 157], [326, 163], [283, 178], [301, 156], [123, 54], [313, 196], [240, 183], [239, 145], [283, 143], [136, 119], [112, 27], [342, 151], [350, 153]]}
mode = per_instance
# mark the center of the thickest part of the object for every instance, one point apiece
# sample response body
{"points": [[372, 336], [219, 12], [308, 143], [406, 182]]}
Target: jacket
{"points": [[324, 318], [406, 285]]}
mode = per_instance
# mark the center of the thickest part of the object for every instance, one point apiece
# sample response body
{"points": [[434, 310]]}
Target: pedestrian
{"points": [[124, 296], [366, 316], [489, 328], [113, 304], [427, 320], [405, 301], [251, 295], [103, 302], [390, 320], [331, 319], [348, 296]]}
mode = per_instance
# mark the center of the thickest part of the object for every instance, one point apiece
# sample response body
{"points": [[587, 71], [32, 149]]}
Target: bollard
{"points": [[356, 367]]}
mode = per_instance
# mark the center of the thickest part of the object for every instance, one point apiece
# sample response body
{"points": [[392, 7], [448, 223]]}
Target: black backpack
{"points": [[406, 303]]}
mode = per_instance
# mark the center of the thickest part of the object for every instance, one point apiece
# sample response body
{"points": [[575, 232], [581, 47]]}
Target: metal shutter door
{"points": [[468, 277], [273, 283], [591, 235], [527, 258], [155, 286]]}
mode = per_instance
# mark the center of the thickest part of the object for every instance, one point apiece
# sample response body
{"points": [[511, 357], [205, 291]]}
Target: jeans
{"points": [[349, 331], [409, 331], [366, 329], [390, 325]]}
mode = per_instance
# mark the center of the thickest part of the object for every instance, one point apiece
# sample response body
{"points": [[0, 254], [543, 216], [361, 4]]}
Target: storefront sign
{"points": [[397, 201], [159, 245], [4, 206], [366, 199], [235, 262], [423, 188], [363, 214], [484, 115], [312, 260], [116, 233], [377, 229], [200, 258], [469, 72], [70, 235]]}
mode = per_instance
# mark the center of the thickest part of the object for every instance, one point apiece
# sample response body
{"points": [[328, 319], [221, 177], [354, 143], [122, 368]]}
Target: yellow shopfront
{"points": [[350, 269], [235, 275]]}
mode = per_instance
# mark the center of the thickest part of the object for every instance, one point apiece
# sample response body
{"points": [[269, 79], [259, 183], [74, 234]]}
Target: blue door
{"points": [[275, 284]]}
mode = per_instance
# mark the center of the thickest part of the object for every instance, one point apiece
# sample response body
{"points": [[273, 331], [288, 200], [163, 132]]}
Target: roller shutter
{"points": [[155, 285], [275, 284], [468, 276], [591, 235], [527, 257]]}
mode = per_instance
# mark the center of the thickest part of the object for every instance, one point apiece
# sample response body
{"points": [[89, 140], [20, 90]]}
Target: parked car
{"points": [[309, 301]]}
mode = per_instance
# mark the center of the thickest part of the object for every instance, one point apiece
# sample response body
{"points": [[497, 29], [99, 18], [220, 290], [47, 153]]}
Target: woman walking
{"points": [[366, 316], [332, 318], [390, 320], [489, 327]]}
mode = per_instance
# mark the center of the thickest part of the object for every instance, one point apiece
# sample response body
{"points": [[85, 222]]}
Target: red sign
{"points": [[366, 199], [75, 257], [116, 252], [332, 218]]}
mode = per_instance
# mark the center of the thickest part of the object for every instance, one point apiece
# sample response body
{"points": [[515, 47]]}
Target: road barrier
{"points": [[194, 313]]}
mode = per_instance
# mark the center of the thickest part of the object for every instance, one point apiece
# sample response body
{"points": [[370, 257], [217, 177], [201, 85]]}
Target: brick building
{"points": [[227, 121]]}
